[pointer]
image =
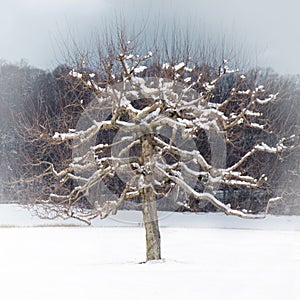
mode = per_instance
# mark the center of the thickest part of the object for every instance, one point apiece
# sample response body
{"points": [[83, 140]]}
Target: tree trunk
{"points": [[149, 209]]}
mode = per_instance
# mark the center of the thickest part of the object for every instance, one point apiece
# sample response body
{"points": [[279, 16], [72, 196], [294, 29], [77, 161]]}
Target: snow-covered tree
{"points": [[138, 139]]}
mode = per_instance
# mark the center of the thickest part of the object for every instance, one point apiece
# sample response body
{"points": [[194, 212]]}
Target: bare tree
{"points": [[132, 129], [143, 131], [16, 80], [284, 119]]}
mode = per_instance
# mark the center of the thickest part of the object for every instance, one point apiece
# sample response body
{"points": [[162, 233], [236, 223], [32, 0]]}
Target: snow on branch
{"points": [[84, 135], [267, 100], [212, 199], [193, 155], [263, 147], [266, 148]]}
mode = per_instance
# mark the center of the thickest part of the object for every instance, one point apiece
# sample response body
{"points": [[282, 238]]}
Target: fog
{"points": [[267, 30]]}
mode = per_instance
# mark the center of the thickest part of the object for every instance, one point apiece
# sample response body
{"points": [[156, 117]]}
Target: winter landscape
{"points": [[154, 153]]}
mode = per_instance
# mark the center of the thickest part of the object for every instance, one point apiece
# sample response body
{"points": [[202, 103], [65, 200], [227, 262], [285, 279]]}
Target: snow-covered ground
{"points": [[14, 215], [204, 257]]}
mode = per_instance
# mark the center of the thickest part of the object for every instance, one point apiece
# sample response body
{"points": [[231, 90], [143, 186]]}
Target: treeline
{"points": [[34, 104]]}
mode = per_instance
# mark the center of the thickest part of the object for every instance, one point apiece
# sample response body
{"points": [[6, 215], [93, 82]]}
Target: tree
{"points": [[138, 138], [16, 84]]}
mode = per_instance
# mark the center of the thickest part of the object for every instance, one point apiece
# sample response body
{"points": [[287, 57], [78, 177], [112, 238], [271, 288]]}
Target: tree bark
{"points": [[153, 251]]}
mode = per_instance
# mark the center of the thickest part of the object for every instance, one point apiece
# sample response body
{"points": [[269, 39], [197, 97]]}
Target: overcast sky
{"points": [[269, 28]]}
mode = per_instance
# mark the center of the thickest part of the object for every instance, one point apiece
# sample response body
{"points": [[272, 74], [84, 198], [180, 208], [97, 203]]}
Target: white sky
{"points": [[269, 28]]}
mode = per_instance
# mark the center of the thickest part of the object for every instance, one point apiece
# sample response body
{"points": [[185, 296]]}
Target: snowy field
{"points": [[204, 257]]}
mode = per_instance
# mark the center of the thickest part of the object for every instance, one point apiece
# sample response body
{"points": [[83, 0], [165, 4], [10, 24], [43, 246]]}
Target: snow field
{"points": [[104, 263], [205, 256]]}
